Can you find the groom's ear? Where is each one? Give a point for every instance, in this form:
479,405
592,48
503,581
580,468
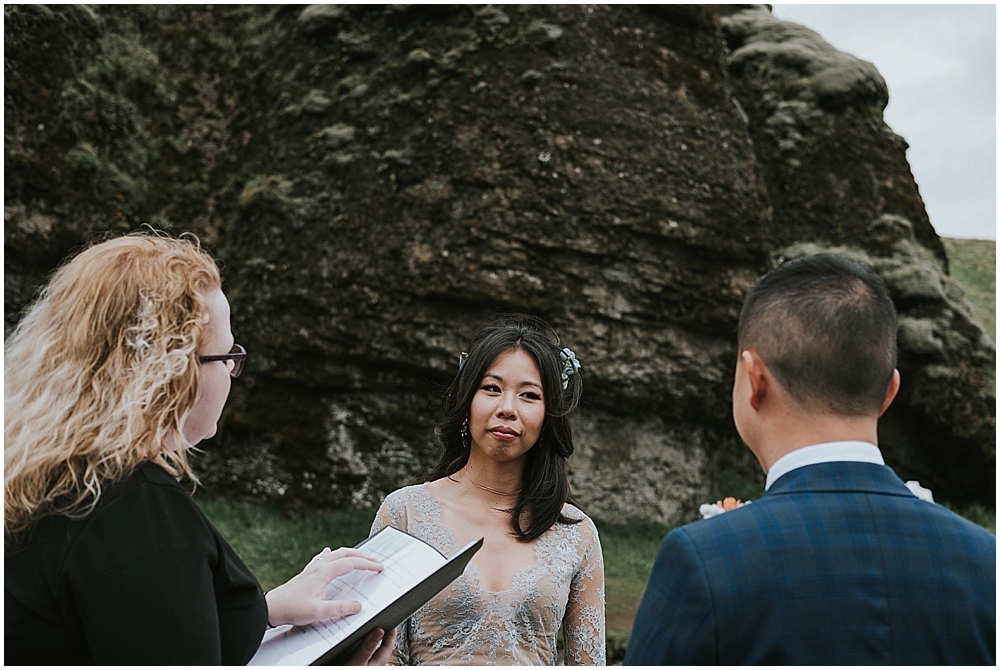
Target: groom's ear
758,378
890,393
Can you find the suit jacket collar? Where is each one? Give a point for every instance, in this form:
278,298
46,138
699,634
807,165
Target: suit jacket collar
840,477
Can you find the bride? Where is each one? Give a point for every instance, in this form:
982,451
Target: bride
502,476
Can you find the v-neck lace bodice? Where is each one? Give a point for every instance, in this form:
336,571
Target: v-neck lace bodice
468,625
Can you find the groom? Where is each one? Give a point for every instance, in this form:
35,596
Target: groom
838,563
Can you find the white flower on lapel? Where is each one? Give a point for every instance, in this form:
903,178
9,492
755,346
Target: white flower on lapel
919,491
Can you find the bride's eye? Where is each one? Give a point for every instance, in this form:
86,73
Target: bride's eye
531,395
492,388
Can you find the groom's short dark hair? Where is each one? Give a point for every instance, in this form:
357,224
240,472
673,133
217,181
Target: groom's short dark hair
826,329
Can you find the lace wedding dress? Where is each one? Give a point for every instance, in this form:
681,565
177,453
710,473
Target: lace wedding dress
467,625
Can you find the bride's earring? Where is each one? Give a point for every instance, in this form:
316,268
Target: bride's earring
466,440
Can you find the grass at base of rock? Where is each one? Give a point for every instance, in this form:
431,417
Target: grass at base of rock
973,265
276,547
629,550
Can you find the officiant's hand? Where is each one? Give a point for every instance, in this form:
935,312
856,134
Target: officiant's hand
376,649
301,600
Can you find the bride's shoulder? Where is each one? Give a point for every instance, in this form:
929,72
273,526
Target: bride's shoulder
571,511
584,523
400,507
582,534
406,494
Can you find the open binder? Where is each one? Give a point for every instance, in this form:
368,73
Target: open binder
414,572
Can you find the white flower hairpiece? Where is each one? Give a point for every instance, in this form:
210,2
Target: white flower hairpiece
570,365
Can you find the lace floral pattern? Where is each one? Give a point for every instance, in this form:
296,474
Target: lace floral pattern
465,624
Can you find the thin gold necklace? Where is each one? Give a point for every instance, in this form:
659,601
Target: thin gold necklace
484,488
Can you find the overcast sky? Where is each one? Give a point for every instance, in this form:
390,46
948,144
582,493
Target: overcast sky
940,64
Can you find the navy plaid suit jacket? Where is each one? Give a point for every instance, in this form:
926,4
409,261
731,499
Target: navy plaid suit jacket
838,563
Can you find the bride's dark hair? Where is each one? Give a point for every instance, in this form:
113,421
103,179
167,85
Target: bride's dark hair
545,484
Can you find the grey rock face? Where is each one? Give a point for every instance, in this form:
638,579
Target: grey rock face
639,466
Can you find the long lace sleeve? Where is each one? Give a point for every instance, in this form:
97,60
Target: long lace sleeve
392,512
583,624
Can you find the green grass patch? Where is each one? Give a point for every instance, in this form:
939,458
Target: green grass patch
973,265
276,547
629,550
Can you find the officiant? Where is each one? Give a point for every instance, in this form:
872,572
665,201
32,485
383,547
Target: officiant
121,366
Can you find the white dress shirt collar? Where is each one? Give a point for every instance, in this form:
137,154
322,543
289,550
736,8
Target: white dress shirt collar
861,452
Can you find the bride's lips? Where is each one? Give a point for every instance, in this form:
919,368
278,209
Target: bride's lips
503,433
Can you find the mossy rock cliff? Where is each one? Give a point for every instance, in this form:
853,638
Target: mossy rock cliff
379,181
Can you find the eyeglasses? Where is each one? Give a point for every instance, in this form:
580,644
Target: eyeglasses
234,360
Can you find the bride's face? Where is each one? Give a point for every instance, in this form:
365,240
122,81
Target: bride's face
508,410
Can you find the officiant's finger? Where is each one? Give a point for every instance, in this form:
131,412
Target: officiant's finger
344,552
342,566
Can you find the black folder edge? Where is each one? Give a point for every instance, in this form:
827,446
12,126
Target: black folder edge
404,606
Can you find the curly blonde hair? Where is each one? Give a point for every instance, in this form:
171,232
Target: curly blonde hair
100,373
